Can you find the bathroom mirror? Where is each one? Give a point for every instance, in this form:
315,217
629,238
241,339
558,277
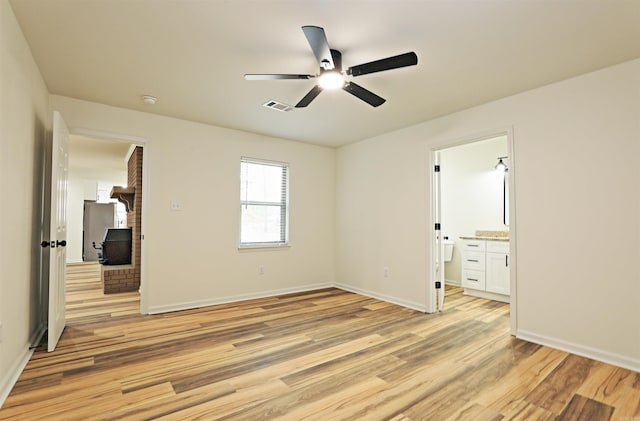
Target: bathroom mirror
505,197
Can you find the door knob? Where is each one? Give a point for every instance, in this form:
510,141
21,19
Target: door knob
62,243
44,243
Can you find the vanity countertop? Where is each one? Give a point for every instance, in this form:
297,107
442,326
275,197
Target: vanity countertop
484,237
488,235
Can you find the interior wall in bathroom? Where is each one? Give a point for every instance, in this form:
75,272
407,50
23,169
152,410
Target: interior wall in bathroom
472,194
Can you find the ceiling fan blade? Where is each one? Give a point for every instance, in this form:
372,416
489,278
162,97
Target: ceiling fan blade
402,60
364,94
275,76
310,96
320,46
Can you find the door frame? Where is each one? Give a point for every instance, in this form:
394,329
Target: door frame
142,142
432,213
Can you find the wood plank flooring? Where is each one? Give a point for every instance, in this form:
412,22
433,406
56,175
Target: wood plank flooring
321,355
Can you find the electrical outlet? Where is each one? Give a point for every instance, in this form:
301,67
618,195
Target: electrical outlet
385,271
260,269
175,205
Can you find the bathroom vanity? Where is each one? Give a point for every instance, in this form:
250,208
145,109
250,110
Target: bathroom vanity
485,267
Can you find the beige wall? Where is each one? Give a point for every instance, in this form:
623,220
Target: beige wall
24,124
192,255
577,169
381,218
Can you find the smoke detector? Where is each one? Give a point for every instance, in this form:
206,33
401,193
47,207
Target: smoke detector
278,106
149,100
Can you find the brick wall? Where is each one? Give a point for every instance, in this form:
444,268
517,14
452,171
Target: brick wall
125,278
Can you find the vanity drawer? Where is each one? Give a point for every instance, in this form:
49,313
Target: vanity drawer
473,279
474,260
474,245
498,247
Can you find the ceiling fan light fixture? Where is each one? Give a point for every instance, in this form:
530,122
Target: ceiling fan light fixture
331,79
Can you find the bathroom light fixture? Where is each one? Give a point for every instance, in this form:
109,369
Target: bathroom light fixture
501,165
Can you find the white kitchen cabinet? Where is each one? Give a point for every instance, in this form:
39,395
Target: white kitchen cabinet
485,268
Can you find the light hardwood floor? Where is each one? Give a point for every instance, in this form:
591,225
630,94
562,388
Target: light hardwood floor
321,355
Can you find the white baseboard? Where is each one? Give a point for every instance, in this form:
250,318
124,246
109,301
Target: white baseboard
242,297
11,377
487,295
454,283
582,350
388,298
235,298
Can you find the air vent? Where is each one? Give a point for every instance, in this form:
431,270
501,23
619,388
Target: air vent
278,106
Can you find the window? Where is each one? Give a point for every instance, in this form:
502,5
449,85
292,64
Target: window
264,203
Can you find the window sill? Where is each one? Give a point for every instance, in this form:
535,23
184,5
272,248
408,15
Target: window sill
263,247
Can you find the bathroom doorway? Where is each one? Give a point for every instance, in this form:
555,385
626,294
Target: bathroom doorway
470,199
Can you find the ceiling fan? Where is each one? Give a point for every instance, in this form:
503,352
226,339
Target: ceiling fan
332,76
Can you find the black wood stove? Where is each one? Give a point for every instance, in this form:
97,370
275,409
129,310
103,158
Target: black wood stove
115,249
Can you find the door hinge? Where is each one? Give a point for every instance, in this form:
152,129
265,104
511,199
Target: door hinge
438,285
436,168
437,226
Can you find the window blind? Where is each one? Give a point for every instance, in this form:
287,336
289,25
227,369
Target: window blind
263,202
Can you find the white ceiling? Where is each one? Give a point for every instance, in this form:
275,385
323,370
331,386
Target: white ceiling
192,55
97,159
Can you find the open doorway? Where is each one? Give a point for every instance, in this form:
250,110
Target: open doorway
473,236
96,166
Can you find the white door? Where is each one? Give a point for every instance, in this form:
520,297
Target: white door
58,230
438,239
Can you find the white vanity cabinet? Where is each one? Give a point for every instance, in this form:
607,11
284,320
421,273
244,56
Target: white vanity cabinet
485,268
474,264
498,267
